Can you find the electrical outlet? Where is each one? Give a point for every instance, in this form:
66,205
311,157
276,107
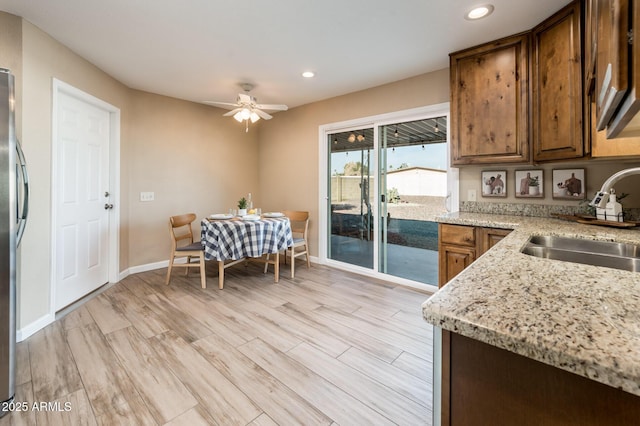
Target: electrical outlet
147,196
471,195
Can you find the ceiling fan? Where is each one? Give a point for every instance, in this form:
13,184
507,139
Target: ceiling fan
247,108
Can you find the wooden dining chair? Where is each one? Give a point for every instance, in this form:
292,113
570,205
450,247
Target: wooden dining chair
182,245
299,227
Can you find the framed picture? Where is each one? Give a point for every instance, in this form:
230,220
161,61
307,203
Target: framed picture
529,183
569,184
494,183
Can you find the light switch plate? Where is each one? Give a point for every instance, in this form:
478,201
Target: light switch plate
471,195
147,196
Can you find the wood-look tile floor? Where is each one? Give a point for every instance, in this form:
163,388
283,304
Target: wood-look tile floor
328,347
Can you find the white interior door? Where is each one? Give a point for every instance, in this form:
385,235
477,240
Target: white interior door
82,201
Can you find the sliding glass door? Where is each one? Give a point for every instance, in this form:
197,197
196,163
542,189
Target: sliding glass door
413,188
351,197
385,183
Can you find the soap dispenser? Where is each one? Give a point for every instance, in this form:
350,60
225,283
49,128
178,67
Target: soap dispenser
613,210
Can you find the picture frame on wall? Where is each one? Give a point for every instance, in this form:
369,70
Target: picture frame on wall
494,183
529,183
569,184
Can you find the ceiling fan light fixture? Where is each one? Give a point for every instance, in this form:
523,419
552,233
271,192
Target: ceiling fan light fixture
360,138
479,12
351,138
246,108
308,74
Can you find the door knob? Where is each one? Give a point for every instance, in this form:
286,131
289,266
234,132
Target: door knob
108,206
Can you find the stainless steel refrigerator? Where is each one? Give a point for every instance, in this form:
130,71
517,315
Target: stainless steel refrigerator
14,195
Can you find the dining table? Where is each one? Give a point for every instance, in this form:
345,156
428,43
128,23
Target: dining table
232,240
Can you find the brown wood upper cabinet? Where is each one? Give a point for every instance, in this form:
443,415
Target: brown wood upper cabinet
624,17
490,102
612,20
557,87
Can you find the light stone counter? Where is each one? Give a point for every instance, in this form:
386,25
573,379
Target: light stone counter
580,318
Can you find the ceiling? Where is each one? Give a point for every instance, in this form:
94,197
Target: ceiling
203,49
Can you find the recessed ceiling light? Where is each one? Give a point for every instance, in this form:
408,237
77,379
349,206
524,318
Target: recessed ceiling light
308,74
479,12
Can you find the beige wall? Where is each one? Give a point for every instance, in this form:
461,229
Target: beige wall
192,158
288,144
11,56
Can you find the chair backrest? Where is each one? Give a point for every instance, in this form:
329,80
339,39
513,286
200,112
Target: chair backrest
299,222
180,229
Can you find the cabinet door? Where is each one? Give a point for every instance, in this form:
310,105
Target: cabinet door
452,260
489,102
601,147
626,121
590,44
491,236
612,61
557,87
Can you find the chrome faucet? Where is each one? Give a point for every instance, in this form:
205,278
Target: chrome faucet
601,198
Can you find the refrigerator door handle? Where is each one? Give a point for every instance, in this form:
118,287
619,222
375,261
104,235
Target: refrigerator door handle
22,213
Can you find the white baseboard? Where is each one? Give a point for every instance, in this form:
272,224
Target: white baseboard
34,327
150,266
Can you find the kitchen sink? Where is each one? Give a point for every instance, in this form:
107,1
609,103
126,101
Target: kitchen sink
598,253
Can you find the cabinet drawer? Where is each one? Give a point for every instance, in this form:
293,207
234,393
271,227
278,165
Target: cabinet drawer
458,234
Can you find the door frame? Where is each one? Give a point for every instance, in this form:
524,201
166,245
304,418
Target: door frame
60,87
442,109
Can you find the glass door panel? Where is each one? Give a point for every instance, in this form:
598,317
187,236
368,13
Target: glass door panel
413,187
350,197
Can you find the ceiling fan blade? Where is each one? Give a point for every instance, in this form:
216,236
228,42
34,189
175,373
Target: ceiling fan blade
232,112
262,114
274,107
225,105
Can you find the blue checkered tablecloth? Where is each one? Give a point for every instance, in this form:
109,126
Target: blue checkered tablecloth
238,239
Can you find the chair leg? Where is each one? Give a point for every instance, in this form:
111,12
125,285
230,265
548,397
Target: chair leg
203,274
293,262
306,249
186,272
169,270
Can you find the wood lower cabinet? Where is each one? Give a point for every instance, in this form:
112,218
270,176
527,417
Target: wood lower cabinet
486,385
491,236
557,87
453,260
460,245
490,102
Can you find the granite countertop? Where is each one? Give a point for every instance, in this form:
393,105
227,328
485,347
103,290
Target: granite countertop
581,318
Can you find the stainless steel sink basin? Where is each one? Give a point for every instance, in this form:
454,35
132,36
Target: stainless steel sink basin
598,253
